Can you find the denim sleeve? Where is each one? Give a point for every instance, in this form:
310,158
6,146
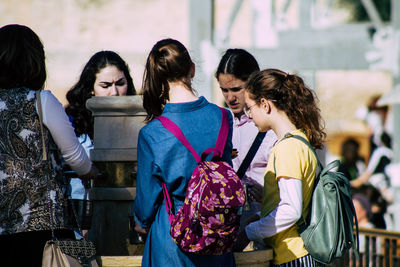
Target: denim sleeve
148,187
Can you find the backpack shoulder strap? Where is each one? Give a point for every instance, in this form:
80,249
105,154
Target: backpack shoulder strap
175,130
305,141
302,221
221,139
223,133
218,150
250,154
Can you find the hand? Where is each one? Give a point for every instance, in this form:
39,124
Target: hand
255,192
85,234
362,179
142,232
234,153
241,242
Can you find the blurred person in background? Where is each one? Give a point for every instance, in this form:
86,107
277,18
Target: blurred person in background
32,191
363,209
378,120
351,163
105,74
375,173
233,70
377,202
362,206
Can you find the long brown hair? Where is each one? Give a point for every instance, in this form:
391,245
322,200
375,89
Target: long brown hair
77,96
168,61
291,95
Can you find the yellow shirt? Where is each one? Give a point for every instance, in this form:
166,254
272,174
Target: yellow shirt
290,158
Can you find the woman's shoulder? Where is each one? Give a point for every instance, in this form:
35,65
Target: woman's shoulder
153,131
47,95
218,109
292,145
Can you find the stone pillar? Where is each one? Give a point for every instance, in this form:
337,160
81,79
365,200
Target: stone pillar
117,121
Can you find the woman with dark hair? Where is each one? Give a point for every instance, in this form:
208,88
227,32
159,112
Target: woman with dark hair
162,158
234,69
29,186
105,74
351,163
282,102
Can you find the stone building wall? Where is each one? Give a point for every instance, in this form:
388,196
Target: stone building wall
73,30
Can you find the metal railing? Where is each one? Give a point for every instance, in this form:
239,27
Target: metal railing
378,248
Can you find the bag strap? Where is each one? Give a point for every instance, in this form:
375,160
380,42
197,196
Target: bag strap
168,204
250,154
87,185
219,145
302,221
175,130
39,104
45,159
223,133
305,141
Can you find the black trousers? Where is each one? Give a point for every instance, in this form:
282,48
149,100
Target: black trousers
26,249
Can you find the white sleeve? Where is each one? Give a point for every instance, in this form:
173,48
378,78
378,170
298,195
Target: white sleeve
56,120
286,214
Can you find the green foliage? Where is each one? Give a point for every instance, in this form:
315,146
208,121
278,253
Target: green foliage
359,12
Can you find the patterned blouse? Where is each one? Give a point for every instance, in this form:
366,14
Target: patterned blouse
27,183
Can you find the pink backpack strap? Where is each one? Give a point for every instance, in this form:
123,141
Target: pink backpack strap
222,136
174,129
223,133
219,145
168,204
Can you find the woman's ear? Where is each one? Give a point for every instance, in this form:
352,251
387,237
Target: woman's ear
192,71
266,105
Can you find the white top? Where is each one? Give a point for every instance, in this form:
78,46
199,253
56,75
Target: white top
287,213
56,120
244,133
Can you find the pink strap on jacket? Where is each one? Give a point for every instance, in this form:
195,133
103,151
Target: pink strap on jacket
218,150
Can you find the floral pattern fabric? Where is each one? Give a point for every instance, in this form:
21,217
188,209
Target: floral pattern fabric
24,176
208,221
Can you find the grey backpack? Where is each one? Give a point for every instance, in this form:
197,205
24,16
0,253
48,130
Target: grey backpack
328,230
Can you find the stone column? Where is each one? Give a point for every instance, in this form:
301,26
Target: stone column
117,121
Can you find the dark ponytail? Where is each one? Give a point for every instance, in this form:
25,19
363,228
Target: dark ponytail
168,61
238,62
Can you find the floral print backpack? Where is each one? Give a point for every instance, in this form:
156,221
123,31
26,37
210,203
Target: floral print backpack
208,221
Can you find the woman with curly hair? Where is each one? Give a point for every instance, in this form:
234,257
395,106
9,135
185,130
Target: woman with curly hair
105,74
282,102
